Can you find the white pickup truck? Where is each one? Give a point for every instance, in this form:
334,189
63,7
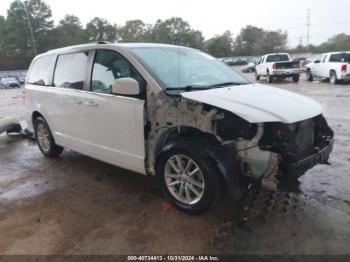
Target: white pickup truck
277,66
334,66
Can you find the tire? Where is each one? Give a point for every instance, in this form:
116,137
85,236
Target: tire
296,79
309,76
200,190
257,77
45,140
333,78
269,78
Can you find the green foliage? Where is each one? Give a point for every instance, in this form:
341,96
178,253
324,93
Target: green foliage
100,29
339,42
220,45
256,41
176,31
134,31
68,32
28,30
27,26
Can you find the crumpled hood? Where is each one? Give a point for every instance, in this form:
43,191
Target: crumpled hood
258,103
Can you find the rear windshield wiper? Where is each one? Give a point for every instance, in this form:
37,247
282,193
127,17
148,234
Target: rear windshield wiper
227,84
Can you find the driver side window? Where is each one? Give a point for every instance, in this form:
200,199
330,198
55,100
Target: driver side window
108,66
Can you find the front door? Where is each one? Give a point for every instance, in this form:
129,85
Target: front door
114,124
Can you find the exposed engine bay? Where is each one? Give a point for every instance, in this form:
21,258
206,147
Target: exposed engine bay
273,154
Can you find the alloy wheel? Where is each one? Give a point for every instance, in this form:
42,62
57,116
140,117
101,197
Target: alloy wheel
43,137
184,179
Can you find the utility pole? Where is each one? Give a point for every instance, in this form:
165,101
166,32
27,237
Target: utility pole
308,29
30,28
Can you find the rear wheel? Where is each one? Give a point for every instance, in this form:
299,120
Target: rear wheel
188,178
309,76
333,78
269,77
45,139
296,79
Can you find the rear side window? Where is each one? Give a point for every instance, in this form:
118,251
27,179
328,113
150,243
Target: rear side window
71,70
342,57
41,71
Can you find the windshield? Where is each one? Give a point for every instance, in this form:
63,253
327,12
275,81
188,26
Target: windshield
177,68
277,58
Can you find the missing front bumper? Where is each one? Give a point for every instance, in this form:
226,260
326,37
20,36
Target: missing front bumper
298,168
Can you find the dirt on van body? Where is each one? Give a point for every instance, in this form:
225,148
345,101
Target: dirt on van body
78,205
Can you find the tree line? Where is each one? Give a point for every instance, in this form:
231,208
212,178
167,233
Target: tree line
28,29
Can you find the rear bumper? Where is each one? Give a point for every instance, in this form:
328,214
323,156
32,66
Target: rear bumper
286,72
300,167
345,77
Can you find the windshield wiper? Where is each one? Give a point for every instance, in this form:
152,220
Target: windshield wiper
227,84
189,87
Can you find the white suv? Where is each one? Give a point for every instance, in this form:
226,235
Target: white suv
334,66
177,113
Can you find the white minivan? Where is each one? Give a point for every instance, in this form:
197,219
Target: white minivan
177,113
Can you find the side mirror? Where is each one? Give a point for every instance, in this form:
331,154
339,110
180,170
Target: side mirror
126,86
317,61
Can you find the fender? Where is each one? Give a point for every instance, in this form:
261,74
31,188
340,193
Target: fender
223,158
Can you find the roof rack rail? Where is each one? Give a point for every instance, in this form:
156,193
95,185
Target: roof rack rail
103,42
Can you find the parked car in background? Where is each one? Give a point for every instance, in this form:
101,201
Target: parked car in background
240,61
334,66
21,79
177,113
10,82
229,62
277,66
250,67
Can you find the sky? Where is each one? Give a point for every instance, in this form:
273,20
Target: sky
212,17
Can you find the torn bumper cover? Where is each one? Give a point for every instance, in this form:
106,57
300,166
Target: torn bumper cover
298,168
9,124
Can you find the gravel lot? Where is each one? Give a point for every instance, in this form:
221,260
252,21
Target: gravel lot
77,205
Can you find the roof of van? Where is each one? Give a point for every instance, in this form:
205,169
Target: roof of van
100,44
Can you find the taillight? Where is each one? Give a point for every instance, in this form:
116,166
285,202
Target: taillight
344,68
274,66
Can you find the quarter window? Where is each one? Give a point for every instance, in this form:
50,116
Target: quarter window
41,71
71,70
108,66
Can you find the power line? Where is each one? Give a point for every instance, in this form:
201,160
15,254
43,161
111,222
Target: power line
308,28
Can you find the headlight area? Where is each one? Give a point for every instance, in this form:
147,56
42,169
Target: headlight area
243,137
276,154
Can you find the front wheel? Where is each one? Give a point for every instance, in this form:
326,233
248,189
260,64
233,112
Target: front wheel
188,179
309,76
257,77
45,139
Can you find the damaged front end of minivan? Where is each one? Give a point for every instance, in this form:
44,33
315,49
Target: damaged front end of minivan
273,154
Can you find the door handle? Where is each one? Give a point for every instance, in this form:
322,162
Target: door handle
76,101
91,103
